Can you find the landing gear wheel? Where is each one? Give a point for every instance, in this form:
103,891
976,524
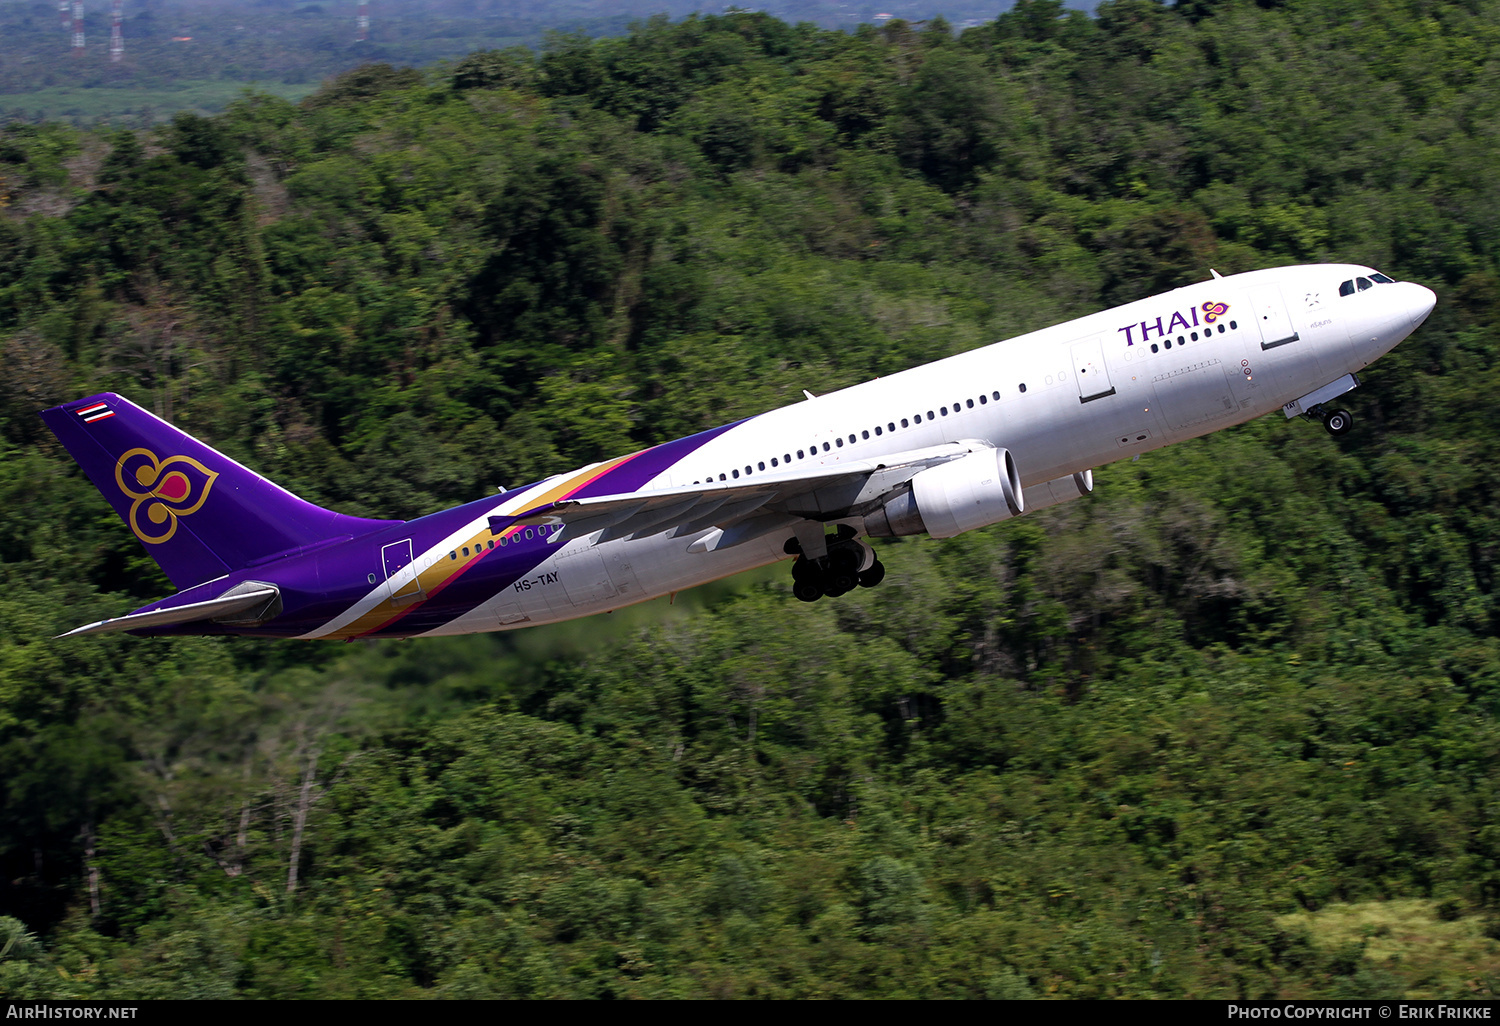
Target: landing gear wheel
840,582
807,591
845,561
873,576
1338,422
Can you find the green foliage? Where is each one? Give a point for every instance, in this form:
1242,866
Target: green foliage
1110,750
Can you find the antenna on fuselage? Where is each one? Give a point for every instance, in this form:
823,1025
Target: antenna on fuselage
1215,273
808,394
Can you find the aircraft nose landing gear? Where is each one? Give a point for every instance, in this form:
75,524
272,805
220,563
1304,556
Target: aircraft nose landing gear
849,564
1335,422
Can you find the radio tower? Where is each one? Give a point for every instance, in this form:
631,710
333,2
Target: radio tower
362,22
116,34
65,12
77,28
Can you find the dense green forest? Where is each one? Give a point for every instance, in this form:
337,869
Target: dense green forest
1225,728
200,54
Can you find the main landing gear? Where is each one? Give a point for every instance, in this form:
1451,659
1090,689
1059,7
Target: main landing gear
1335,422
849,564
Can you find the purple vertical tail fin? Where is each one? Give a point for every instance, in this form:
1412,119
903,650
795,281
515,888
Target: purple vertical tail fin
197,512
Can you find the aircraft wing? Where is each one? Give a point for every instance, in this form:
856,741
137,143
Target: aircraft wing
742,509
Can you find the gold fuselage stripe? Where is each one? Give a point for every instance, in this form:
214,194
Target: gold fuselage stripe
443,571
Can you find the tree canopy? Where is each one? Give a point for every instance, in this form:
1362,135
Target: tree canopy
1130,746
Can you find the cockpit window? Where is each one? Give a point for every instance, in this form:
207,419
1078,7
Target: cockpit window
1348,288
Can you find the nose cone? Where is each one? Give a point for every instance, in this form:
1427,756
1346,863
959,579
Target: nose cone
1422,300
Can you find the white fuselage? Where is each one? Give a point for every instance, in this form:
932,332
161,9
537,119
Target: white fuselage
1062,400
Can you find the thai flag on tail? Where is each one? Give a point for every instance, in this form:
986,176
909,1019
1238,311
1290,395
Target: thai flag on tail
93,412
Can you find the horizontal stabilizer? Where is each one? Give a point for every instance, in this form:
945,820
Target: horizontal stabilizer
213,609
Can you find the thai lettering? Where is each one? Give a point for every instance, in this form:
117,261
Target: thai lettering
1184,320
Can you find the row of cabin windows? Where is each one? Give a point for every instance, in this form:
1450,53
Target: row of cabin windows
889,428
1182,340
1354,285
916,418
528,534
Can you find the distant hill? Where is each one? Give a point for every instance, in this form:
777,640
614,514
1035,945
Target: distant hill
178,54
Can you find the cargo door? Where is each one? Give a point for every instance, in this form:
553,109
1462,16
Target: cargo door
584,577
621,575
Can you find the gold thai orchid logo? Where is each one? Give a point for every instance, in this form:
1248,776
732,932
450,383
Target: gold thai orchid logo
163,490
1213,311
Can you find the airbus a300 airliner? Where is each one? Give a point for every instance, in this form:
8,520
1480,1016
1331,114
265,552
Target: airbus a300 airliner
941,449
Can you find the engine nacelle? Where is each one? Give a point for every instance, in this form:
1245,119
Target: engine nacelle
1050,493
972,491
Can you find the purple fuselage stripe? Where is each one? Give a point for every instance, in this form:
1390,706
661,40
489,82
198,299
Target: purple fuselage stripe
318,587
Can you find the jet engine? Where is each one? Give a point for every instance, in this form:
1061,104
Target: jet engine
972,491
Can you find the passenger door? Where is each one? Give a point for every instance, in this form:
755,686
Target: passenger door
1088,366
401,573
